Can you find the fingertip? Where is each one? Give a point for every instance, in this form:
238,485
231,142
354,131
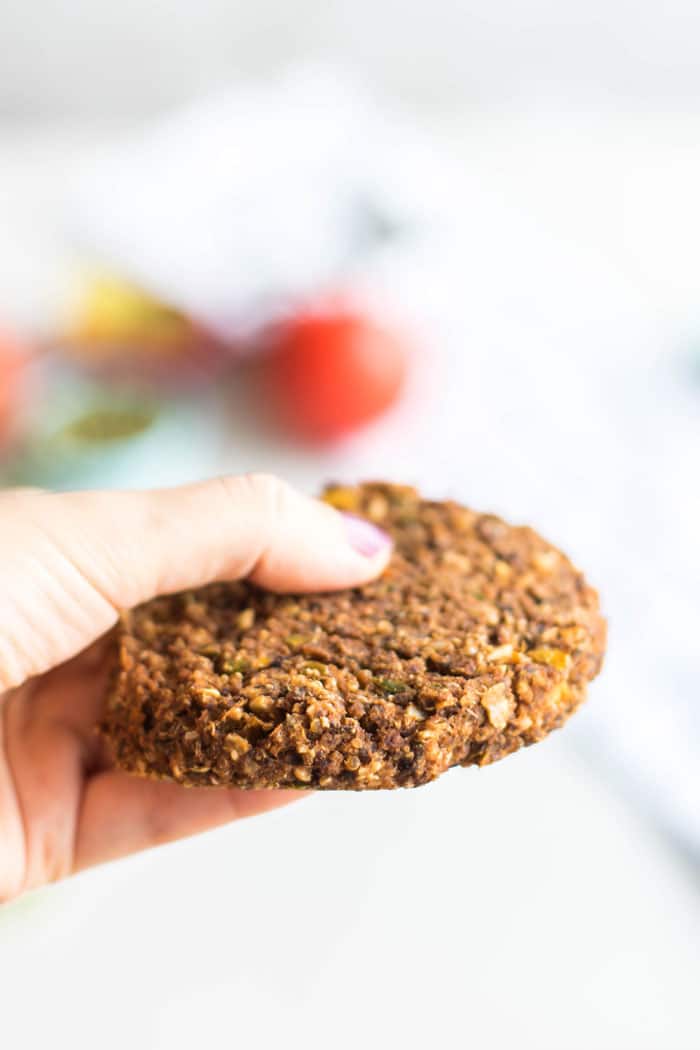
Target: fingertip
319,548
364,537
371,549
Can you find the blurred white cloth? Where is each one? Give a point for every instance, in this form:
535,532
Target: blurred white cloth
243,203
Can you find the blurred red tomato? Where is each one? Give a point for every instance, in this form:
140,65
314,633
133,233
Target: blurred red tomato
13,361
327,374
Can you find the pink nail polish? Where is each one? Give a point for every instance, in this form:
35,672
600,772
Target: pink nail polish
366,538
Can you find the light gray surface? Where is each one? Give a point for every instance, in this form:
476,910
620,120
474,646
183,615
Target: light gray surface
520,906
94,57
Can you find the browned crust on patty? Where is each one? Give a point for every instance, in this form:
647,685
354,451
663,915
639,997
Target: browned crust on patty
478,639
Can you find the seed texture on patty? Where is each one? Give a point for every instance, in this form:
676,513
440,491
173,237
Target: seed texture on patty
478,639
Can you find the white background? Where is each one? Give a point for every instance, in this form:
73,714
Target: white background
551,901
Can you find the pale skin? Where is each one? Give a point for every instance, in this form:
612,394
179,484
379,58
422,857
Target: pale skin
69,563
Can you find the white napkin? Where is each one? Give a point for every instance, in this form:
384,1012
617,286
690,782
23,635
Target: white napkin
245,202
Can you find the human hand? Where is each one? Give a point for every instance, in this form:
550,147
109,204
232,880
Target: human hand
68,564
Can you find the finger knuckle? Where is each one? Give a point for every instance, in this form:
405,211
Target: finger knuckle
266,491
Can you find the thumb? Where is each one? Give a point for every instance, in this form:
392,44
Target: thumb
70,562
